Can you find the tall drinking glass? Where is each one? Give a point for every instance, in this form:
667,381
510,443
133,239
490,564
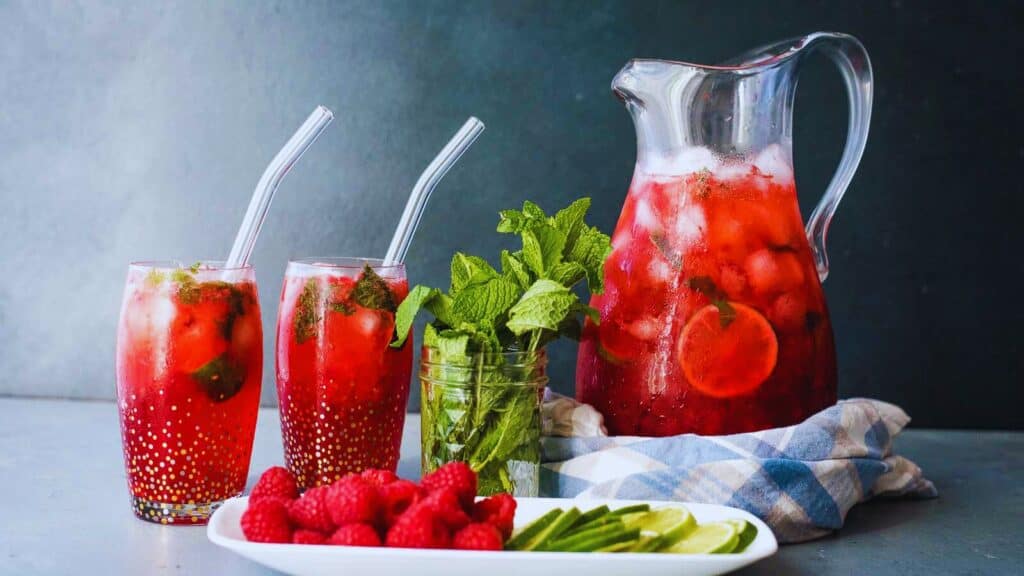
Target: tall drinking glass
341,387
189,366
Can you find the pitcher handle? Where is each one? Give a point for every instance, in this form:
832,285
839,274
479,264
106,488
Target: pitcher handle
853,62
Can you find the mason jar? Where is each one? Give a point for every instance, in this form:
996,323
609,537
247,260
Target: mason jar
484,409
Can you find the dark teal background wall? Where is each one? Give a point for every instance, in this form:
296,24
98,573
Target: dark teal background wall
137,131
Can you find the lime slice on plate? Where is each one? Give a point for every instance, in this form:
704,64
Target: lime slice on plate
662,527
711,538
747,533
660,520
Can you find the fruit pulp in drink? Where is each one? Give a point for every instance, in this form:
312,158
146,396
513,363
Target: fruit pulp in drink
713,320
189,365
342,388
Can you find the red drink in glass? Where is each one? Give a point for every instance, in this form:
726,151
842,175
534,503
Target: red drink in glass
189,365
341,387
713,320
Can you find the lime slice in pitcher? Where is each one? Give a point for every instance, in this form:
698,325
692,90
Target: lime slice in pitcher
712,538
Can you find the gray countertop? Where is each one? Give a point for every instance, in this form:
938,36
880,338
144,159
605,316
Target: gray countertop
65,505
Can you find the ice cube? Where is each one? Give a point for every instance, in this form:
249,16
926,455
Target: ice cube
775,162
368,322
659,270
732,170
161,313
690,224
681,162
645,328
645,217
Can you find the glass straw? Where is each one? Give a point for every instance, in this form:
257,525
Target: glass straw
445,159
303,138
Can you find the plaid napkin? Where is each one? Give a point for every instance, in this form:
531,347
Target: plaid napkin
801,480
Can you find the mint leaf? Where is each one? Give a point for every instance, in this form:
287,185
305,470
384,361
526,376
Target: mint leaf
468,270
343,307
511,222
511,412
485,302
533,211
219,379
591,249
441,307
452,346
530,302
567,273
506,429
307,311
706,286
515,221
472,411
188,288
542,307
542,247
371,291
429,336
154,278
407,310
570,220
514,269
590,312
671,255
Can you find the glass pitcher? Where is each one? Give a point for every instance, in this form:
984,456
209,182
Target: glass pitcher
713,319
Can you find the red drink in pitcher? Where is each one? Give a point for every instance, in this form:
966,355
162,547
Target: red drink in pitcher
189,364
713,319
341,387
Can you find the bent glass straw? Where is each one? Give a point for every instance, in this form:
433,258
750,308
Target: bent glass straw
445,159
262,196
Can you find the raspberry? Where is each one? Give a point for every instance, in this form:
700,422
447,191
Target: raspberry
455,475
355,535
419,527
310,511
478,537
303,536
352,500
396,497
379,477
498,511
446,504
276,482
266,521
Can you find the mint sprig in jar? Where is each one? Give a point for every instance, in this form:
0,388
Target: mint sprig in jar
483,366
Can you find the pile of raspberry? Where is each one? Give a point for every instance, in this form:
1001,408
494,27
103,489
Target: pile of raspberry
377,508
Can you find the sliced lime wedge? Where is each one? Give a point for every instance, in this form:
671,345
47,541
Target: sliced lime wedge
589,516
551,532
660,520
747,533
662,527
524,535
711,538
618,547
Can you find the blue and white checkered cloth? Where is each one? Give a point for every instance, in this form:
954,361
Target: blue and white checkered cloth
801,480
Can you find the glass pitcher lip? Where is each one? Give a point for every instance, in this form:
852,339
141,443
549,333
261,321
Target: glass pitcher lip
793,47
767,62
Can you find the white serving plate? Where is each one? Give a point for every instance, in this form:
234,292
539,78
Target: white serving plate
309,560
